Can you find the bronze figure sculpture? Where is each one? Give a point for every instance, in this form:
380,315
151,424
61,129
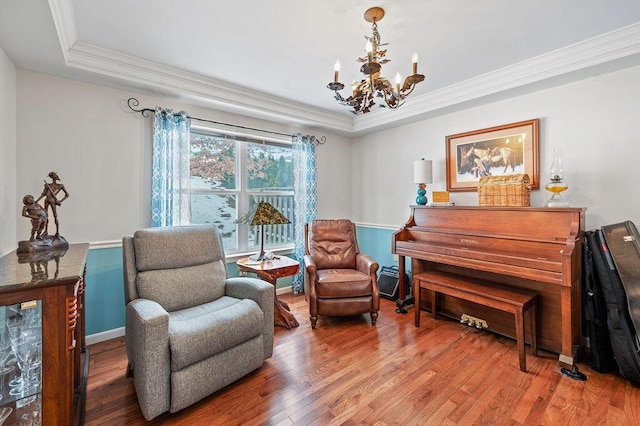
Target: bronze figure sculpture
50,194
40,239
38,217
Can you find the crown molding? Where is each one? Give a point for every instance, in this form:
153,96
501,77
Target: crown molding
172,80
143,73
65,23
606,48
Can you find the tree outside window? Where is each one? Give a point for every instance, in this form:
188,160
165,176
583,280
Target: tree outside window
229,174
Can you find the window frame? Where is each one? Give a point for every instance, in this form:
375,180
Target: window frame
241,192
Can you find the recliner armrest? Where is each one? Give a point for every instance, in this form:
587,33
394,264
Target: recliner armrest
251,288
147,340
263,294
366,264
310,265
310,277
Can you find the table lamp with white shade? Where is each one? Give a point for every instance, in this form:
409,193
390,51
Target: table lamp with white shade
422,175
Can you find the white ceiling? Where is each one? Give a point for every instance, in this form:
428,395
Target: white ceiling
273,59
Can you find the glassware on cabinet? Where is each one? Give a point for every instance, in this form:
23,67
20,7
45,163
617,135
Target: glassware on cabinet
21,362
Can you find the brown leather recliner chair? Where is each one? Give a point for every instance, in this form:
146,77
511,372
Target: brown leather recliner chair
338,279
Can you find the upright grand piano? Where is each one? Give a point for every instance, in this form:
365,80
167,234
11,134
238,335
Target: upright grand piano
538,249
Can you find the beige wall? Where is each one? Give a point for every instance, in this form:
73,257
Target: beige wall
594,121
8,199
102,153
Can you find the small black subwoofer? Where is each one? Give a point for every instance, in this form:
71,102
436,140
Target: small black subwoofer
389,285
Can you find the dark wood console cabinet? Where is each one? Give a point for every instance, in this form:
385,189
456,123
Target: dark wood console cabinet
56,280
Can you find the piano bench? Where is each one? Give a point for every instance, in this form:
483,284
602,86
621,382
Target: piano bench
515,301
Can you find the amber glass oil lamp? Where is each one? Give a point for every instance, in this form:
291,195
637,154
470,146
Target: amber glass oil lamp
557,184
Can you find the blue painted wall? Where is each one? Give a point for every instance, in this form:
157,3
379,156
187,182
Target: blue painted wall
104,296
376,242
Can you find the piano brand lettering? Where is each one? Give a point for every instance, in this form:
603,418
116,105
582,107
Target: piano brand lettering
466,241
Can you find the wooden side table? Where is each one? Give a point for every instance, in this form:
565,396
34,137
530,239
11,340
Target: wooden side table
270,271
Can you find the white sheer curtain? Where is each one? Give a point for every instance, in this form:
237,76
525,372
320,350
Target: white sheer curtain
170,204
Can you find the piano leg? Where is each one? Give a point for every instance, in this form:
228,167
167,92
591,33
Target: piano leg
401,303
571,315
403,298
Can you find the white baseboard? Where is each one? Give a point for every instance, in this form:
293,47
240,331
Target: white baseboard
104,335
283,290
119,332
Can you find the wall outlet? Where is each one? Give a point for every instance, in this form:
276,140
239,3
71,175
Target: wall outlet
395,257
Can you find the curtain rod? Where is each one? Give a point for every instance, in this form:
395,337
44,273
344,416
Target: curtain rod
133,102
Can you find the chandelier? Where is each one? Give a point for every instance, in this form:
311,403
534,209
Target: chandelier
373,84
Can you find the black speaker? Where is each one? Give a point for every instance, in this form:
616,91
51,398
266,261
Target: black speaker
388,282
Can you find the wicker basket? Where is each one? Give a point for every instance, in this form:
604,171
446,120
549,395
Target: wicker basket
510,190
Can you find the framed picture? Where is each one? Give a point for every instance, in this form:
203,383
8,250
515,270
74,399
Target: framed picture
497,151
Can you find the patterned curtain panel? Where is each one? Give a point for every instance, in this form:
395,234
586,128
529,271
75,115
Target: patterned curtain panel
305,198
170,180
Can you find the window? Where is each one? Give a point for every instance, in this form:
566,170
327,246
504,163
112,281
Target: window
232,173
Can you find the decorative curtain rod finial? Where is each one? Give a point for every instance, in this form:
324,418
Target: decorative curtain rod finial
133,103
317,141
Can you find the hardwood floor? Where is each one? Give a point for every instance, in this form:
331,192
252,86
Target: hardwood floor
349,372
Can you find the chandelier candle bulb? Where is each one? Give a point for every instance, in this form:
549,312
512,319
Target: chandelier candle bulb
398,81
369,48
414,60
336,70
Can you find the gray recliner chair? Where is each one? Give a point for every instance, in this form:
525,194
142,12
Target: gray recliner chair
190,330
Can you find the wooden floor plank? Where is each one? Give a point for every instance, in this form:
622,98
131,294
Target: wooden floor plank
349,372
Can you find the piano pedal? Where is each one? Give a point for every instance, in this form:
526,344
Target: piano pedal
473,322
